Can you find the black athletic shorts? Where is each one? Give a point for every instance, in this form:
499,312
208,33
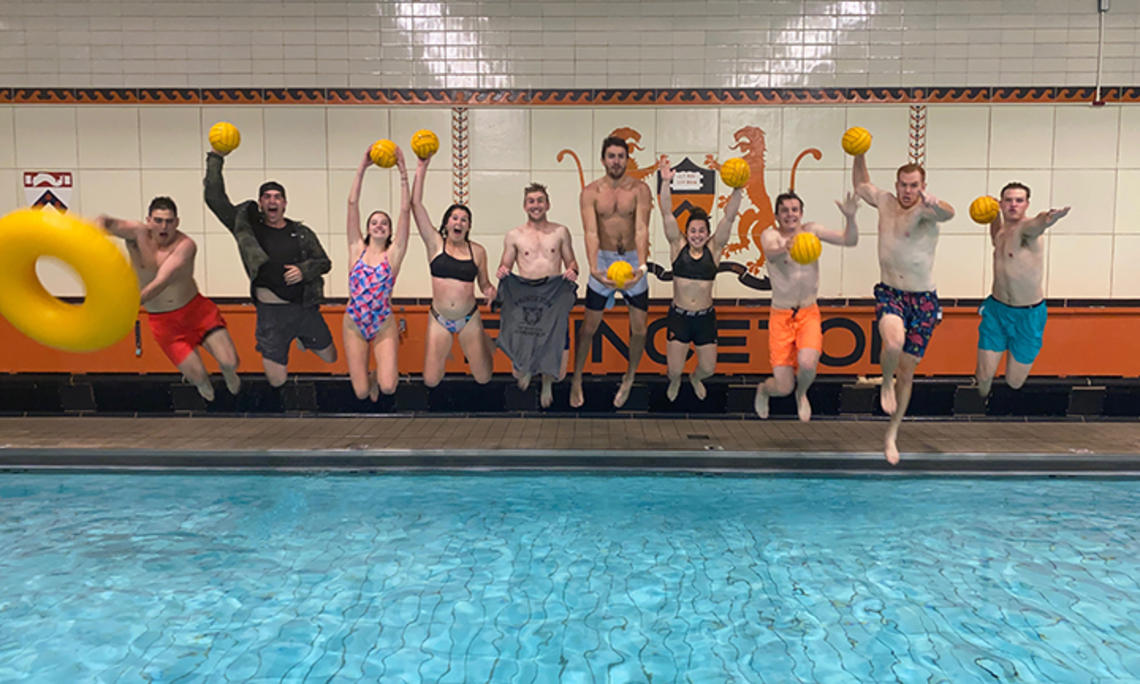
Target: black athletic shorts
279,324
698,327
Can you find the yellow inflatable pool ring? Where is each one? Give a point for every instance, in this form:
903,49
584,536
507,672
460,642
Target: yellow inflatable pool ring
108,311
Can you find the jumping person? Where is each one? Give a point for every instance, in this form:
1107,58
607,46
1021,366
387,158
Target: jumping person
1014,315
906,304
615,217
696,257
375,258
180,318
537,302
284,261
795,333
455,263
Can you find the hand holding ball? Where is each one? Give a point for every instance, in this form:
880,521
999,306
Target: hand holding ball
805,248
383,153
735,172
856,141
224,137
424,143
984,209
620,272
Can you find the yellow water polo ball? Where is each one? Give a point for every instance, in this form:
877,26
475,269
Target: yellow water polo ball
424,143
224,137
111,302
856,141
620,272
984,209
383,153
735,172
805,248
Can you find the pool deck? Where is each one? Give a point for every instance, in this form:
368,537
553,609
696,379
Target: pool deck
639,443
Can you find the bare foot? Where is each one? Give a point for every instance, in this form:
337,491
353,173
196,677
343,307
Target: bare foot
576,398
673,389
374,391
803,407
524,381
891,451
546,398
887,397
206,389
760,404
698,387
233,381
623,391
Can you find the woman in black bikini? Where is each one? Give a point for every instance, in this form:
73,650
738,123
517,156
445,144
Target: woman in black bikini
696,258
455,264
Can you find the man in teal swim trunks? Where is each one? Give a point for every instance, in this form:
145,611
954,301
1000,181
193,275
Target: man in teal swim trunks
1013,317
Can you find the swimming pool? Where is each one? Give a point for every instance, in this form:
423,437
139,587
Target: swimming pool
540,578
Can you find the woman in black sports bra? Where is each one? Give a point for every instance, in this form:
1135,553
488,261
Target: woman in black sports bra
455,263
696,258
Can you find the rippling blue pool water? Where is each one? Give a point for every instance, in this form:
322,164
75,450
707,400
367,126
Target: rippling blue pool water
577,578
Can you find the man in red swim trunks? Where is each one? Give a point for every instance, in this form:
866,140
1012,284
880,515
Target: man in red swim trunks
180,318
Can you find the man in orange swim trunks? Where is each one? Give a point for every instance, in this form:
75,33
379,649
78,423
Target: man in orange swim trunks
180,318
795,333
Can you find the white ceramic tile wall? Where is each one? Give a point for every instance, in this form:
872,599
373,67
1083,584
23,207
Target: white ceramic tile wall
563,44
122,156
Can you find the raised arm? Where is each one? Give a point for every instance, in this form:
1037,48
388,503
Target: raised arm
216,197
1037,225
862,181
850,235
352,221
423,221
672,231
403,224
178,264
140,244
935,208
724,228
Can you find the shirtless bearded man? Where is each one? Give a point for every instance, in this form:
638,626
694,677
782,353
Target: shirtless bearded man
615,216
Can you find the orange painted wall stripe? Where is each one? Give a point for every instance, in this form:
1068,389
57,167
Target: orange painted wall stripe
1078,342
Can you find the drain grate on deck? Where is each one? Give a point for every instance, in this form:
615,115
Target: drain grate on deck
694,436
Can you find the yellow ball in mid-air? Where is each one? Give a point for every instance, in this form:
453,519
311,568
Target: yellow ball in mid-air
735,172
224,137
383,153
856,141
620,272
984,209
424,143
805,248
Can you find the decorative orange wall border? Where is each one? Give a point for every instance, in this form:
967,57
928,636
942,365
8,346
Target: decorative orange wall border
459,97
851,344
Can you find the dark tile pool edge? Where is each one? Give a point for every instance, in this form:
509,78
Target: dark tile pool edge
472,460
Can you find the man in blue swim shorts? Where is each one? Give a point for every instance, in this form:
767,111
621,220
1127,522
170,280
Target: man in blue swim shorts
906,305
615,217
1013,316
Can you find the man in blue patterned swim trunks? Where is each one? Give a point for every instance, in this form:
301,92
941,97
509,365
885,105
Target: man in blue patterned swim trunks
906,305
1013,317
